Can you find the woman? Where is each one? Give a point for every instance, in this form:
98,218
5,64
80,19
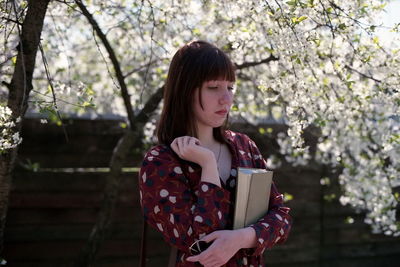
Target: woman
187,182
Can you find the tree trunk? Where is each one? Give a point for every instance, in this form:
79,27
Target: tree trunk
131,139
19,89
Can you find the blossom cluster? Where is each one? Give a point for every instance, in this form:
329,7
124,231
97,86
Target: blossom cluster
8,137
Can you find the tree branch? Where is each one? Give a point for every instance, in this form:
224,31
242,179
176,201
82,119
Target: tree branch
362,74
113,58
256,63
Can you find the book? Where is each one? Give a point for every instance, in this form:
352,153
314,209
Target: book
253,187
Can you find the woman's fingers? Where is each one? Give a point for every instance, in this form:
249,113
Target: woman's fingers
187,140
193,141
181,145
175,148
189,148
211,237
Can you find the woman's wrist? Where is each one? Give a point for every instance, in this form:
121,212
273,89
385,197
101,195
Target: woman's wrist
247,237
209,172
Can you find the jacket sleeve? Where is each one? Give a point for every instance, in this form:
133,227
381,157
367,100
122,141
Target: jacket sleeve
275,226
172,207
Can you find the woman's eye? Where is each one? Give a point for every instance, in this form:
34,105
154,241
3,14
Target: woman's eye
212,87
231,88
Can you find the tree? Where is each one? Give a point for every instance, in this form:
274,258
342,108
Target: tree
29,22
309,62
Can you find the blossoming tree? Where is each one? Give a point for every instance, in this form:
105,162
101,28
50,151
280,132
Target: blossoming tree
312,62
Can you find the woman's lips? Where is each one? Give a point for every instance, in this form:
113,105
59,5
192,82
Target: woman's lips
222,112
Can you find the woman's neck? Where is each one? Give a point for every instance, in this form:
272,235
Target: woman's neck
206,136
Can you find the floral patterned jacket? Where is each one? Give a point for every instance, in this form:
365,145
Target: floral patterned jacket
183,209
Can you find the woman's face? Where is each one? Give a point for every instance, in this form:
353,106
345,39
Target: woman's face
217,99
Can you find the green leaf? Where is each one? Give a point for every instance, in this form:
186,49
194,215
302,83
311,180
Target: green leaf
89,90
297,20
342,26
287,197
196,31
329,197
372,28
349,220
302,18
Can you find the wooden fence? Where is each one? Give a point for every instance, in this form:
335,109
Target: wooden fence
52,210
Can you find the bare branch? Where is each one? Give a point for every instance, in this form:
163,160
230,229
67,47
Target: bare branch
362,74
114,60
256,63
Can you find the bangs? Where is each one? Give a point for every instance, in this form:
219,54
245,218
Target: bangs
219,67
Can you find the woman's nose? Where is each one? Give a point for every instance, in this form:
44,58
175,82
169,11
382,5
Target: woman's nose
226,97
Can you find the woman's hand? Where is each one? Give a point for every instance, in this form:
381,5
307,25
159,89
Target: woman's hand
226,244
190,149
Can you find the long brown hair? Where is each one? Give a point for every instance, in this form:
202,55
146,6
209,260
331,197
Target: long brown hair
192,65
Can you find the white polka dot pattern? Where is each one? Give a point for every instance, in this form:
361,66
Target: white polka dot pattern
266,225
164,193
156,209
261,240
198,219
176,234
204,187
172,199
155,153
190,231
279,217
190,169
171,218
245,261
144,177
219,215
160,227
178,170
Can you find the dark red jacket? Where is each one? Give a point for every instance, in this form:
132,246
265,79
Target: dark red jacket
183,209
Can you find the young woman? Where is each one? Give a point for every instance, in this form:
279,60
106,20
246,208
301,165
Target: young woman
187,182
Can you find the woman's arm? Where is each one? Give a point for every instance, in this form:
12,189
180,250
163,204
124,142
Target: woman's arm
171,206
274,227
189,148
